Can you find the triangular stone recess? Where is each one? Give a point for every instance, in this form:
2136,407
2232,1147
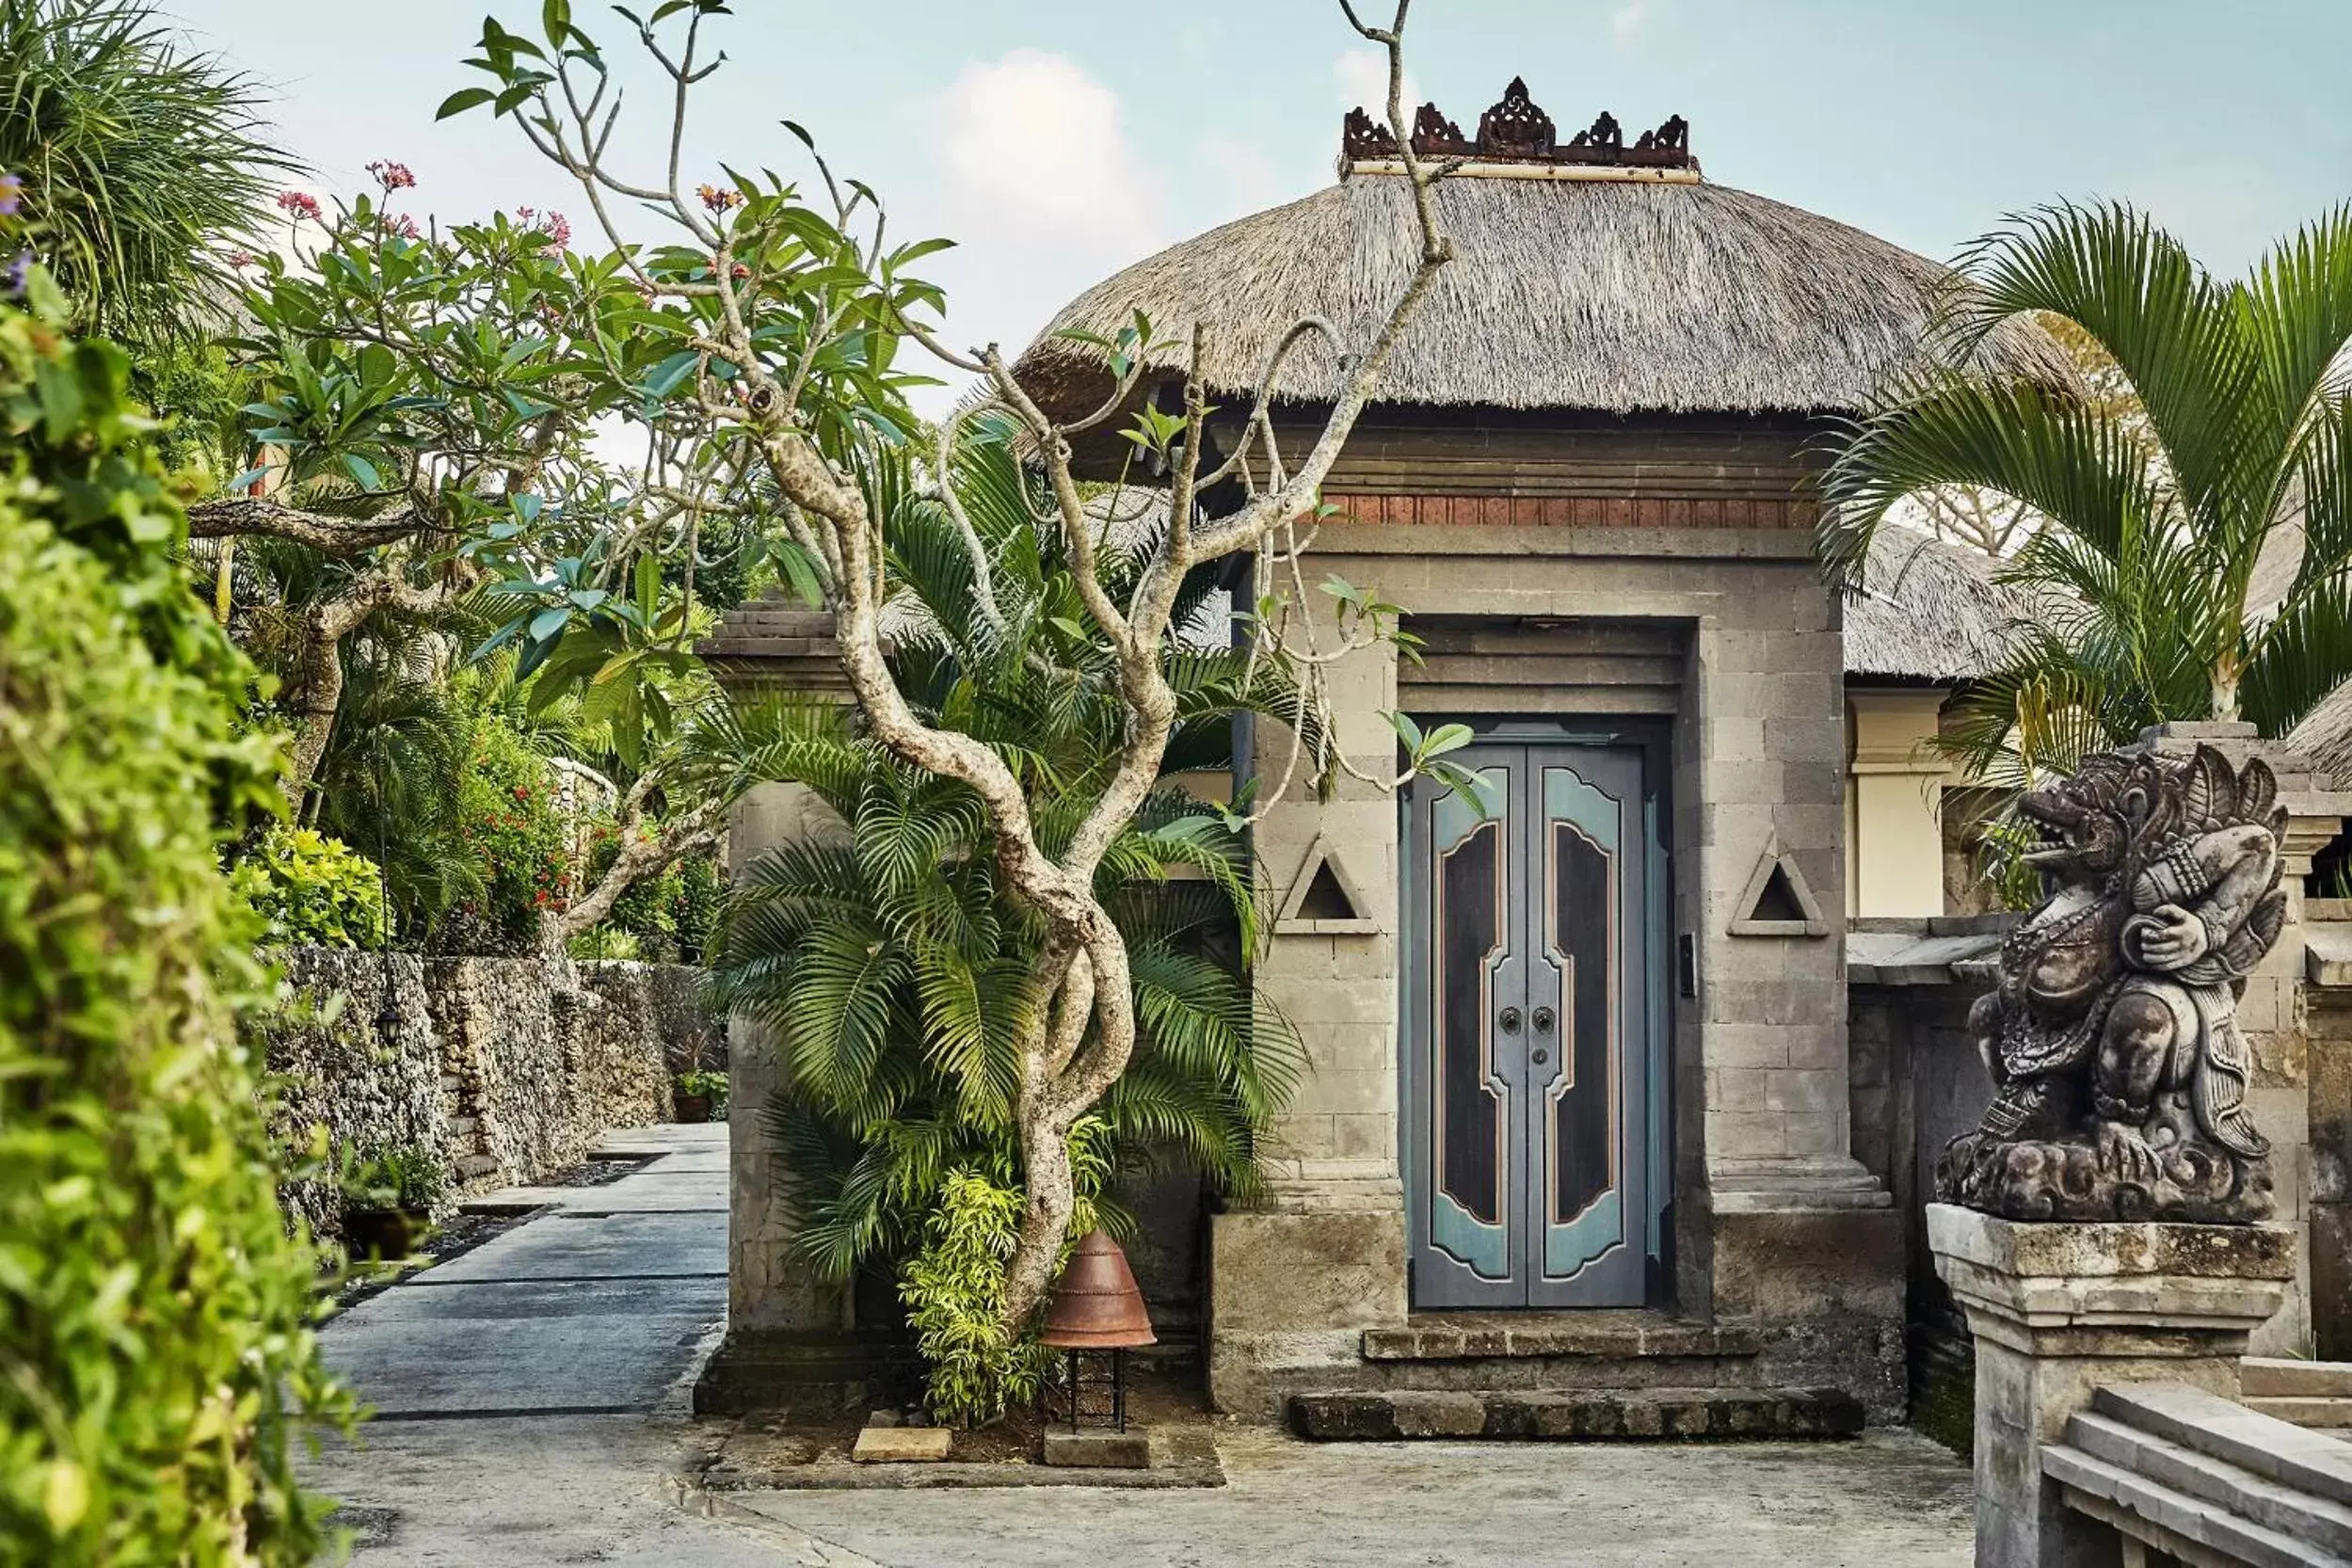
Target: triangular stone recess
1777,901
1324,900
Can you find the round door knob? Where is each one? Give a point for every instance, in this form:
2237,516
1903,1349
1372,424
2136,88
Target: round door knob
1543,1021
1510,1020
1539,1056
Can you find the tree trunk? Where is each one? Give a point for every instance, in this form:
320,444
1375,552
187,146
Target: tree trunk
2226,672
640,858
1050,1198
322,694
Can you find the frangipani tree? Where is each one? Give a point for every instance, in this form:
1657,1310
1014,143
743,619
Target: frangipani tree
433,425
2196,531
786,323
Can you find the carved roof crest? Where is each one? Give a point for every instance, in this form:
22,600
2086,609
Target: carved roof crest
1517,130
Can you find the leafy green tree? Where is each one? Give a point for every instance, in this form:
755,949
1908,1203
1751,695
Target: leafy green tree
894,970
145,167
156,1356
2216,437
778,326
428,416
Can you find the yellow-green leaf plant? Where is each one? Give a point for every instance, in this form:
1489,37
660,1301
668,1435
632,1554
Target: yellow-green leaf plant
156,1352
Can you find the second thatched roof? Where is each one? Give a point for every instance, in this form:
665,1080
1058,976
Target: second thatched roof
1932,611
1617,297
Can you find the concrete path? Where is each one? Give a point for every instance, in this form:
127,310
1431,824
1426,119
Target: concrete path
532,1394
1892,1500
533,1408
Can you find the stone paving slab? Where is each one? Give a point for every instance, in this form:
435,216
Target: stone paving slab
665,1295
1891,1500
454,1363
569,1246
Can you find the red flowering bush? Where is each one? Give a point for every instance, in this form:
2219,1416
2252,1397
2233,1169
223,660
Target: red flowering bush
508,822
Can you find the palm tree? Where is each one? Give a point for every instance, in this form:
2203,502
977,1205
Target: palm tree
893,970
143,163
2196,539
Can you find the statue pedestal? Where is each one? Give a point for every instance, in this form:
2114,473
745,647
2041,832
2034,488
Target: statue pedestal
2057,1309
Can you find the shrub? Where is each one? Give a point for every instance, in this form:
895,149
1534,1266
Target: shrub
701,891
510,826
312,890
155,1314
954,1285
403,1175
704,1084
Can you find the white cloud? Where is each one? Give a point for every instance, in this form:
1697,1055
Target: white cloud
1043,191
1033,148
1628,20
1359,79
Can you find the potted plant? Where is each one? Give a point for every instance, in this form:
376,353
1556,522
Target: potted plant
698,1095
388,1198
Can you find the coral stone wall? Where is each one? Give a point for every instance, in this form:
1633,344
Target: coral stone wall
512,1068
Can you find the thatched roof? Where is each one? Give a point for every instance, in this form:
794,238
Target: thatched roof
1930,611
2326,734
1610,296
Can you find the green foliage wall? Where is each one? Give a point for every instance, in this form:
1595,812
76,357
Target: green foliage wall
155,1341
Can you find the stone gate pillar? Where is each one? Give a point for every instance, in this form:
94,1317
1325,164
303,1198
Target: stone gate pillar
788,1333
2059,1309
1296,1279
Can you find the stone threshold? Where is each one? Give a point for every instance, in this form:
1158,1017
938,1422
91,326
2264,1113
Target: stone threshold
1677,1415
1516,1336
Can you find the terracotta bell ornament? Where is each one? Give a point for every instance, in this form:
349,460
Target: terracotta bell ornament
1095,1304
1095,1312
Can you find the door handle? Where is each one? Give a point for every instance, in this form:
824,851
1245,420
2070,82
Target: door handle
1543,1021
1508,1018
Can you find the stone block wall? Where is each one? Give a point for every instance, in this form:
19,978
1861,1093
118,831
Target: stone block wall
512,1068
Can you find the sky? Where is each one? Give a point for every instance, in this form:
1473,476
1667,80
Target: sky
1056,141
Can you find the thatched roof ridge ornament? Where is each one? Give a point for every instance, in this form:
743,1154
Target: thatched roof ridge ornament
1517,138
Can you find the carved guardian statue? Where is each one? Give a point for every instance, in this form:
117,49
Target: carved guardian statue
2113,1037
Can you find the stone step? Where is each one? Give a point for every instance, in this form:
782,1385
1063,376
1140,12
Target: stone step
2278,1378
2320,1415
1513,1335
2215,1482
1589,1415
1468,1351
2225,1429
2147,1508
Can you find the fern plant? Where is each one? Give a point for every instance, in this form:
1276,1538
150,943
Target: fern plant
892,971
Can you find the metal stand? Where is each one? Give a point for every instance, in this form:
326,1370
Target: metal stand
1074,1382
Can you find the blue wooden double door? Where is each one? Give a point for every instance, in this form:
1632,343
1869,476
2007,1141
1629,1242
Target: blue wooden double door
1534,1029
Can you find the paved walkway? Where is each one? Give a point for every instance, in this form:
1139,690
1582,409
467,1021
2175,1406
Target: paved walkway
533,1399
532,1394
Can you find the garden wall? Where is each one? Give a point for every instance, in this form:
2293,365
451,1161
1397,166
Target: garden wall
512,1068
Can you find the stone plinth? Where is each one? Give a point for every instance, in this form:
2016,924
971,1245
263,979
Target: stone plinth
2057,1309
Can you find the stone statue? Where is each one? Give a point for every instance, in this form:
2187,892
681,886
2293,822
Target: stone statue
2113,1036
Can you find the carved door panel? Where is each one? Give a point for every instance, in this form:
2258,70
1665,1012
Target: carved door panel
1530,1002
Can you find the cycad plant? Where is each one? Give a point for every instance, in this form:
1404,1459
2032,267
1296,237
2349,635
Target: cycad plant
2232,452
893,972
144,163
